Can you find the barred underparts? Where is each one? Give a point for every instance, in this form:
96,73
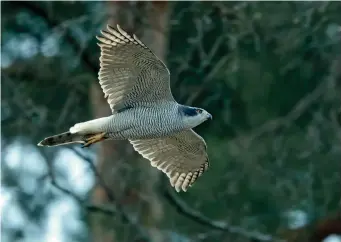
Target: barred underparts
136,84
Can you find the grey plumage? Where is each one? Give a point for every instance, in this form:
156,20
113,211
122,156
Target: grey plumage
182,156
62,139
130,74
137,87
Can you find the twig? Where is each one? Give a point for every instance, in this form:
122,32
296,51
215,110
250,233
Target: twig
50,174
219,65
107,210
119,210
175,201
107,190
292,116
196,216
85,57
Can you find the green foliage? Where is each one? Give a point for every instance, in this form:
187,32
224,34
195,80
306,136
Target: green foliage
263,69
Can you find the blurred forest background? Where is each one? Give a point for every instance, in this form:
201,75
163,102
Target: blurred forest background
269,72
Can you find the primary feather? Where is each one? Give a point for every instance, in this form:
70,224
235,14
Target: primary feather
136,84
130,73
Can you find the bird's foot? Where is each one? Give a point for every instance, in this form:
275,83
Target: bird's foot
94,139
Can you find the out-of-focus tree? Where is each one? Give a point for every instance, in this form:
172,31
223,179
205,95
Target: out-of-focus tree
116,159
269,72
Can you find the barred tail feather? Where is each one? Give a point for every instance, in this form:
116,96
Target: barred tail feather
62,139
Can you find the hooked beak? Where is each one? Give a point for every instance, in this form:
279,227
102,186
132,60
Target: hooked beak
209,116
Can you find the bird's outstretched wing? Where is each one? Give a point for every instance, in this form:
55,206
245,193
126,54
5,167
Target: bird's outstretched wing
182,156
130,74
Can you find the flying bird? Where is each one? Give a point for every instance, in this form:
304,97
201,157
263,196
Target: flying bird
136,84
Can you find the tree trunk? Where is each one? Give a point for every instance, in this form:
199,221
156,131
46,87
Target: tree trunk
131,178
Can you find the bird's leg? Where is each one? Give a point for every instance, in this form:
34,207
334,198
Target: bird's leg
94,139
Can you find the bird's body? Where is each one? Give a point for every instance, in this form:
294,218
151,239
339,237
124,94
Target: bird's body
136,84
141,122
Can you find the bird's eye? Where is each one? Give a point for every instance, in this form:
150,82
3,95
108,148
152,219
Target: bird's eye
199,111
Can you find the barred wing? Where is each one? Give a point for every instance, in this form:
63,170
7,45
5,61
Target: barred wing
181,156
130,73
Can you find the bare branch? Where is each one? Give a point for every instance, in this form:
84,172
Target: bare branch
108,210
181,207
99,179
292,116
219,65
196,216
50,174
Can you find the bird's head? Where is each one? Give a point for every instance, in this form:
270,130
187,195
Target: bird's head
193,116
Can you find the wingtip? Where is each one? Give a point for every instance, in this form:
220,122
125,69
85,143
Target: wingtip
177,189
40,144
121,30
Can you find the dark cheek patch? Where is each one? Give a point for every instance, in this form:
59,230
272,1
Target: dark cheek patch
190,111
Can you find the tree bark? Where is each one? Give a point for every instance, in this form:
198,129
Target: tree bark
128,175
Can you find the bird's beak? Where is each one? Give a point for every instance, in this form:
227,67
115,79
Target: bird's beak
209,116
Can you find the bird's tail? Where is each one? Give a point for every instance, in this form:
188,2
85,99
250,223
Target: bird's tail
87,133
62,139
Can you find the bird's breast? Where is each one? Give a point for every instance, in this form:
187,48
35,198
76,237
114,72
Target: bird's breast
154,123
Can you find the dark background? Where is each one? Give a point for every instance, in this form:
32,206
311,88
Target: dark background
269,72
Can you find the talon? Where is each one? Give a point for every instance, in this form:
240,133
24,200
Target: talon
94,139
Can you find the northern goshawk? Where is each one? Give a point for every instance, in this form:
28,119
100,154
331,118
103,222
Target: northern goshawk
136,84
